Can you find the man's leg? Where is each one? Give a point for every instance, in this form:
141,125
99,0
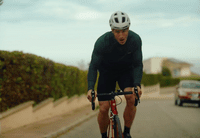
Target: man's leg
103,118
106,84
130,110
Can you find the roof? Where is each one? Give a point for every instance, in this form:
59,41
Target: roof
177,61
173,60
155,58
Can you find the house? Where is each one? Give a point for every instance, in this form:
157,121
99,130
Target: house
178,68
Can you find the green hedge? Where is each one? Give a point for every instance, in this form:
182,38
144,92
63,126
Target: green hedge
25,77
168,81
68,81
152,79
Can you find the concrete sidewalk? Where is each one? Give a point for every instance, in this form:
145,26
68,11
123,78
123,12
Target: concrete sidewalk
52,127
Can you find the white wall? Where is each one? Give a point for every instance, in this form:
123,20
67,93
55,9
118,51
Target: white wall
185,71
147,66
153,65
156,65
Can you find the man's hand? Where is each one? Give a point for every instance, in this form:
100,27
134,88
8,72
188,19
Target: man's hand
89,95
139,92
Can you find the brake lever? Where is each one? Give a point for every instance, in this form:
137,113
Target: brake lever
93,103
136,92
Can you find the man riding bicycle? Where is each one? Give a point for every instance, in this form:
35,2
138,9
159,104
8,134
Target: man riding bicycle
117,56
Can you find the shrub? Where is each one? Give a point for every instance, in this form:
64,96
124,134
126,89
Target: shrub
168,81
151,79
25,77
166,72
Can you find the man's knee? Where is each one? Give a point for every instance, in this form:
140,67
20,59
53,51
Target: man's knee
130,98
104,107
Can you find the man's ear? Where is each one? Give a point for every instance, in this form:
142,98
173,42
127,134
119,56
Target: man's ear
112,30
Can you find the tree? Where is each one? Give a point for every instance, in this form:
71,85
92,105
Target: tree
1,2
82,65
166,72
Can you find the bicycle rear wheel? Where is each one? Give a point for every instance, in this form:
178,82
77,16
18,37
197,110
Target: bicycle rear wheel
117,127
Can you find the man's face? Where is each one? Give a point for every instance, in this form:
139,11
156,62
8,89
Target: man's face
121,35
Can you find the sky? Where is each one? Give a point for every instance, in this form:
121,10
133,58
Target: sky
65,30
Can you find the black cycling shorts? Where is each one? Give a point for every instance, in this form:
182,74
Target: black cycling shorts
107,83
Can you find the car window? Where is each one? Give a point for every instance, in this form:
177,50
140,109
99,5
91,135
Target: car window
198,86
191,85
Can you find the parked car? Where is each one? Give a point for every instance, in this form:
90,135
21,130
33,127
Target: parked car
187,91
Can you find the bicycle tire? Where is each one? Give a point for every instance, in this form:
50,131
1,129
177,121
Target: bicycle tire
136,102
117,127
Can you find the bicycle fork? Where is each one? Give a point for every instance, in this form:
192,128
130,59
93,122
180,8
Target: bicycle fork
113,112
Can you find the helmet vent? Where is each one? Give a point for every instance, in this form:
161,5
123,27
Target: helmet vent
122,13
116,20
115,14
125,27
123,19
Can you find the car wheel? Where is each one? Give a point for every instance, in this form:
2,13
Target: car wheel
179,102
199,105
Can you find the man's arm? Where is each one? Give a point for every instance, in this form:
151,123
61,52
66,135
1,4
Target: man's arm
137,64
94,64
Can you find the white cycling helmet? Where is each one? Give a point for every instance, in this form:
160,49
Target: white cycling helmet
119,20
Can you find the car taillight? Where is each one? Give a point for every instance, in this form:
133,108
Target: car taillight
189,93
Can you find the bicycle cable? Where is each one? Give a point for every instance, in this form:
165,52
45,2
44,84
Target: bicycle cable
120,100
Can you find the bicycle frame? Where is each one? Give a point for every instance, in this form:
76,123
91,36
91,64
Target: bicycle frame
113,107
113,112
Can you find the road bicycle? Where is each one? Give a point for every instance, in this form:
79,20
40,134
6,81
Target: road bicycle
114,129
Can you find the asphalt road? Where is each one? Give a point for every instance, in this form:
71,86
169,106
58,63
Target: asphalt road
154,119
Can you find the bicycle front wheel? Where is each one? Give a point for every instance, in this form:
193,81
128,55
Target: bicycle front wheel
117,127
136,102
